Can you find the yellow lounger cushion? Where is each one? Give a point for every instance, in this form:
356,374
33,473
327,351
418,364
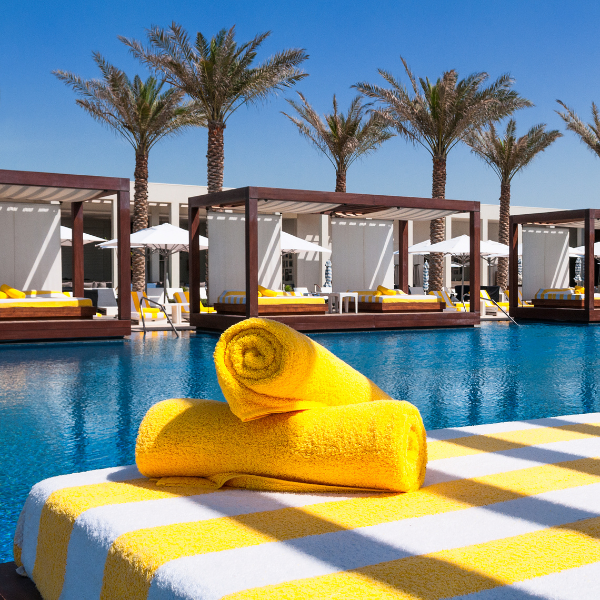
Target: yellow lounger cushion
376,446
229,299
12,292
388,292
267,292
3,296
367,292
265,367
405,298
43,302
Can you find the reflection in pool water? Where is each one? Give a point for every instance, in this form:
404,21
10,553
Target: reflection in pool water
68,407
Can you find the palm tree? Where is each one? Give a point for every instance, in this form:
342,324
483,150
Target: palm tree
508,155
588,133
342,138
143,114
438,116
218,75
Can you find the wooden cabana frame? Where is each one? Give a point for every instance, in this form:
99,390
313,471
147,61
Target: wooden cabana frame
589,220
28,186
253,201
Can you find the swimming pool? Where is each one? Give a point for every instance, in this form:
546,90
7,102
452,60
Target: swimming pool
68,407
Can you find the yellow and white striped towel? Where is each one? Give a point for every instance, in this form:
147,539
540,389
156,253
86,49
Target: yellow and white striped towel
508,511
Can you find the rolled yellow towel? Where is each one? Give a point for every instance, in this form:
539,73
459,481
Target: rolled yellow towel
265,367
371,446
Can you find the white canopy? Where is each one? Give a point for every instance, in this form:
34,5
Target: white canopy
580,250
462,245
66,237
293,244
165,238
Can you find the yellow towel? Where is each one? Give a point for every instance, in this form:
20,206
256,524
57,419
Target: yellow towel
387,292
12,292
265,367
373,446
3,296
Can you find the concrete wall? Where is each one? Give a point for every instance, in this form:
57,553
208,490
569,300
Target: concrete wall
226,256
363,254
30,246
545,259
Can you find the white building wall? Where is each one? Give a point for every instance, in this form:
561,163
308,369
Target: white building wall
545,259
362,254
226,256
30,246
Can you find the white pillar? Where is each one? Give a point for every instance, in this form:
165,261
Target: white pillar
448,258
154,266
325,237
174,258
484,264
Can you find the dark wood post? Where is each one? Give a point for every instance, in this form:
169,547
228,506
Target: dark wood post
475,258
77,246
251,257
124,255
403,256
194,258
513,266
589,236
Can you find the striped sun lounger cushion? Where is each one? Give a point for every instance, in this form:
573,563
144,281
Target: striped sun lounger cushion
508,511
395,299
266,300
560,294
44,302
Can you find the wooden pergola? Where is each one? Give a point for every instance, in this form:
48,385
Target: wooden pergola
252,201
28,186
589,220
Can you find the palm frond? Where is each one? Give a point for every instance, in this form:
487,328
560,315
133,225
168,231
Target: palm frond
508,154
140,111
218,74
439,115
343,138
589,133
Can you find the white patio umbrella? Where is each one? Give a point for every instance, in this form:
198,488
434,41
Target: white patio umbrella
66,237
165,239
292,244
460,247
580,250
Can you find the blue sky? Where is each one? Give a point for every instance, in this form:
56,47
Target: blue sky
551,49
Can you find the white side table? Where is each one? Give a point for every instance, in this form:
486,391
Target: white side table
337,298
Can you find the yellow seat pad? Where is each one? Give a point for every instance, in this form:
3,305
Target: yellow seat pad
44,302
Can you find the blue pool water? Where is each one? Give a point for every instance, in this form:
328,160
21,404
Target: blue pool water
68,407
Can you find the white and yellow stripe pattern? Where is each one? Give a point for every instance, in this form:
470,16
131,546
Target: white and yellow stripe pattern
508,511
381,299
558,294
240,298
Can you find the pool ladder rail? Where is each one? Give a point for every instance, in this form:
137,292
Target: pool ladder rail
163,310
498,306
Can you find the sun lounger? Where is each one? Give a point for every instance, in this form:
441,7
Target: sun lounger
521,302
44,304
139,302
234,303
183,299
562,298
377,301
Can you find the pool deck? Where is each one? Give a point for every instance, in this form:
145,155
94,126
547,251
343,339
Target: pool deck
508,511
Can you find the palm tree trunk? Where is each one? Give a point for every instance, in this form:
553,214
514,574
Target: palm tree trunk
215,157
437,227
340,180
140,218
503,233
